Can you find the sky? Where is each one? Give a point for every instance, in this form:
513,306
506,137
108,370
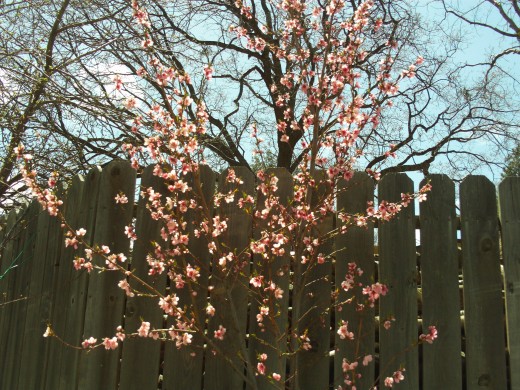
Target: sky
479,44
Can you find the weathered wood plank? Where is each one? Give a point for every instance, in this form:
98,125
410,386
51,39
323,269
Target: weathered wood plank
34,344
72,291
3,228
54,307
10,326
26,269
136,372
440,286
35,348
60,305
398,271
105,300
483,301
271,338
357,246
10,258
311,301
225,360
183,368
18,313
509,192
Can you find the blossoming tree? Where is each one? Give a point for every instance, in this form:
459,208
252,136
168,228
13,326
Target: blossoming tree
329,110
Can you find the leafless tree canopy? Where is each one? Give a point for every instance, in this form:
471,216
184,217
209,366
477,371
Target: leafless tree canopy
58,61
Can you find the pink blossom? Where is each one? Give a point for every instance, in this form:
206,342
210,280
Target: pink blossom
73,242
141,16
120,333
110,343
89,343
123,284
81,232
367,359
210,310
169,303
121,198
398,376
130,232
256,281
374,292
118,82
346,366
144,329
208,72
260,368
430,336
185,339
130,103
220,333
343,331
192,273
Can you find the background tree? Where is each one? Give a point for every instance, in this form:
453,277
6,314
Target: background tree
37,63
81,119
513,163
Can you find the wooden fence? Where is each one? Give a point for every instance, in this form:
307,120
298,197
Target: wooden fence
464,278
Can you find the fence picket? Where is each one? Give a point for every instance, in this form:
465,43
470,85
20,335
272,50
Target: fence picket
7,283
483,301
22,275
73,284
271,338
60,258
34,345
398,270
440,285
183,368
138,372
105,300
357,245
229,292
311,306
509,192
